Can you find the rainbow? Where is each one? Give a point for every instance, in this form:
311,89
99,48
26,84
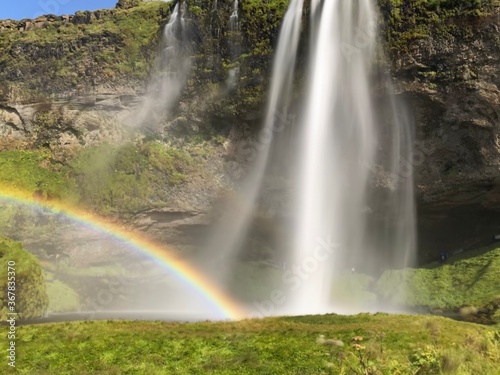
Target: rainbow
221,303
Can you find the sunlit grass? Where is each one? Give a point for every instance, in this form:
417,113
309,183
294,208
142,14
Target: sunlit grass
469,279
391,344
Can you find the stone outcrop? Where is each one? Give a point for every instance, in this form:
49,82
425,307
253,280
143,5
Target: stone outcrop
11,123
47,21
74,122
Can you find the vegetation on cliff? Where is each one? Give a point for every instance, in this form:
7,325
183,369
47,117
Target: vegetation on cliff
59,55
31,300
107,179
441,26
406,20
129,177
115,49
62,298
33,171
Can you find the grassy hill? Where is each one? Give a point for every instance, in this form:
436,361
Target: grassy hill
468,282
328,344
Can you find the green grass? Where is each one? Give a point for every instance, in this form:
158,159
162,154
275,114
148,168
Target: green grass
62,298
24,279
472,278
107,179
126,178
32,171
387,344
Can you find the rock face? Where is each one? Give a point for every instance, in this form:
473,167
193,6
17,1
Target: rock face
452,86
184,228
451,82
11,123
71,123
91,69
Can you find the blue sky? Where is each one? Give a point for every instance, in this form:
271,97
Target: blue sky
19,9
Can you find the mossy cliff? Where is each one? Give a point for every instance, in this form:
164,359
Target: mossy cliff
438,49
74,54
66,83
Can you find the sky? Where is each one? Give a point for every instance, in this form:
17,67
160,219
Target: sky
19,9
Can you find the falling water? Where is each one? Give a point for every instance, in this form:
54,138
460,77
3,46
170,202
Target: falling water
172,67
233,227
343,149
351,205
235,46
234,18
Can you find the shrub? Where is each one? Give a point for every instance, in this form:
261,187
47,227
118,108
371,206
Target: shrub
425,360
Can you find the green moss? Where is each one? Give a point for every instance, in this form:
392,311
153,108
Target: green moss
107,179
470,280
62,298
126,178
408,21
30,296
33,172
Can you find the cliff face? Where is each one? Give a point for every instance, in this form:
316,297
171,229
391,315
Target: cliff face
97,64
90,70
451,83
449,76
65,79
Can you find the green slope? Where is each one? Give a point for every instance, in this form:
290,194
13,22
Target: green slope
470,279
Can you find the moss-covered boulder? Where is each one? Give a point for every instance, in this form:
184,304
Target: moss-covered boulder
31,299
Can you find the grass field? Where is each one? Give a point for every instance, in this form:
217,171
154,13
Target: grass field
328,344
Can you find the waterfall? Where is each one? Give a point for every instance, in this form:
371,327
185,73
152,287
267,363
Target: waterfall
347,164
235,47
171,70
339,156
234,18
228,236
